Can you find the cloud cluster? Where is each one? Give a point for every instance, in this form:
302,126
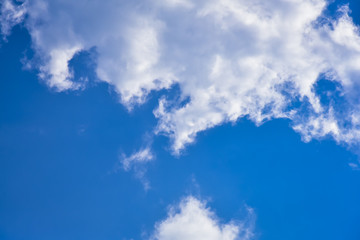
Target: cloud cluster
192,220
231,59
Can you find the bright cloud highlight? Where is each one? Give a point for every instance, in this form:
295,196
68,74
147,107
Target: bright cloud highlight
192,220
231,59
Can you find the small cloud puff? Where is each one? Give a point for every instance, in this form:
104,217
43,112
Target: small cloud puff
192,220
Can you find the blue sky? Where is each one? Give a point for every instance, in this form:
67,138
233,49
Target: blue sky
78,102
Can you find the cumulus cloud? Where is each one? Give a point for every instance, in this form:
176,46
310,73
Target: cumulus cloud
192,220
231,59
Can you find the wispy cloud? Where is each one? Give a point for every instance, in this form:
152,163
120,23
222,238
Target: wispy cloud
354,166
10,16
137,163
143,156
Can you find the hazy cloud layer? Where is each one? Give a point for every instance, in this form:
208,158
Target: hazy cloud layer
230,58
192,220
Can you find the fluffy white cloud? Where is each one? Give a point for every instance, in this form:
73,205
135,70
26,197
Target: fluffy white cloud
230,58
192,220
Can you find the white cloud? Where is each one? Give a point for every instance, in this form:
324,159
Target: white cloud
56,71
192,220
136,162
11,15
143,156
230,58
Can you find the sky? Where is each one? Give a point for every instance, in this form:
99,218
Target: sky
179,119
